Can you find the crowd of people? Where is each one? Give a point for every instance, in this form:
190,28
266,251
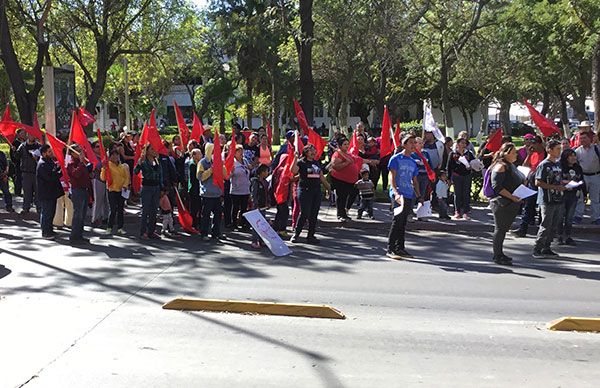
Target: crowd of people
419,169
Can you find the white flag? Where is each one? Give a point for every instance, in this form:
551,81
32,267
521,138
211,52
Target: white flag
429,124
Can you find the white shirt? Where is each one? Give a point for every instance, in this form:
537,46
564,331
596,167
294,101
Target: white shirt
588,159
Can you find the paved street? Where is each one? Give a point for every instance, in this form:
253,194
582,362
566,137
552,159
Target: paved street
73,317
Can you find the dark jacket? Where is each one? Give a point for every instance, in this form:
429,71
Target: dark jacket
260,193
28,162
169,173
48,175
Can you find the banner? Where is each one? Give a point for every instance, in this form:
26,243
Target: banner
268,235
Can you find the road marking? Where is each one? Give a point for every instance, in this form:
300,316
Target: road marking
575,324
253,307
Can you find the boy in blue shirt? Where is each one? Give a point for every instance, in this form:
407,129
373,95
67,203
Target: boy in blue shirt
404,189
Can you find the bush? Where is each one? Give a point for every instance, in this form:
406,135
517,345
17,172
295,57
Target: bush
414,126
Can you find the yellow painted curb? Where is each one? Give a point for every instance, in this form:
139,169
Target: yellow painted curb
575,324
251,307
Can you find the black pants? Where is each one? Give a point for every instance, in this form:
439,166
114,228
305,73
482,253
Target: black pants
503,219
281,218
398,227
345,196
383,167
18,180
47,210
529,211
195,207
239,206
310,203
227,203
211,206
116,203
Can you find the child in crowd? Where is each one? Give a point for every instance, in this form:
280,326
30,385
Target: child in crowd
441,191
366,190
259,190
167,213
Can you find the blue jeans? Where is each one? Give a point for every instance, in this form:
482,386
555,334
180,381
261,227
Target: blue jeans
366,205
48,208
462,193
550,219
211,206
6,193
150,196
79,197
565,224
310,203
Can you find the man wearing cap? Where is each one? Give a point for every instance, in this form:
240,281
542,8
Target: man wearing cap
583,127
588,157
404,189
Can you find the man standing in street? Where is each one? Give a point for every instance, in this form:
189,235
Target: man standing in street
48,175
548,178
28,154
79,170
17,177
404,189
588,157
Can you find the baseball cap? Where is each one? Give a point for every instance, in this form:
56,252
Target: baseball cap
289,134
529,136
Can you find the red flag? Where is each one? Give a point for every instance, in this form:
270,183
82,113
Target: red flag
78,136
185,218
8,126
85,117
397,142
353,147
35,131
136,180
430,172
495,141
217,165
154,137
246,134
545,125
283,174
104,159
230,160
317,141
269,133
301,117
386,135
184,132
197,129
576,140
58,148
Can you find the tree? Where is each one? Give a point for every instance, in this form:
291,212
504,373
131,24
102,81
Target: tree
34,17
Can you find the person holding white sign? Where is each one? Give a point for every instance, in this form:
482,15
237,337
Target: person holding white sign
505,178
571,175
548,178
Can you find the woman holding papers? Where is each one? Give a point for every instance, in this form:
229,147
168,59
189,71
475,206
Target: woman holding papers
572,175
459,171
505,206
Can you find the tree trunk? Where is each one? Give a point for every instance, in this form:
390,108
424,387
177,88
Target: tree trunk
275,113
483,108
304,47
222,120
546,102
596,82
578,105
564,115
379,96
465,116
344,98
505,116
249,106
448,122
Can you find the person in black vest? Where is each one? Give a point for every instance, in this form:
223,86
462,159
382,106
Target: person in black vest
48,175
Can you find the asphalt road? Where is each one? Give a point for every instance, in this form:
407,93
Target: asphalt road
72,317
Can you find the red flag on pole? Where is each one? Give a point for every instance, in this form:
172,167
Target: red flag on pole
353,147
430,172
136,180
230,160
35,131
197,128
386,135
217,166
104,159
269,133
8,127
185,218
58,148
283,174
397,142
545,125
315,139
154,137
495,141
78,136
301,117
184,132
85,117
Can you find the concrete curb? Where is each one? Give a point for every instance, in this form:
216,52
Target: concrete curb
575,324
253,307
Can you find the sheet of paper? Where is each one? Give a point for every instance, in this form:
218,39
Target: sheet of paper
524,170
125,193
464,161
397,210
524,192
424,210
573,184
